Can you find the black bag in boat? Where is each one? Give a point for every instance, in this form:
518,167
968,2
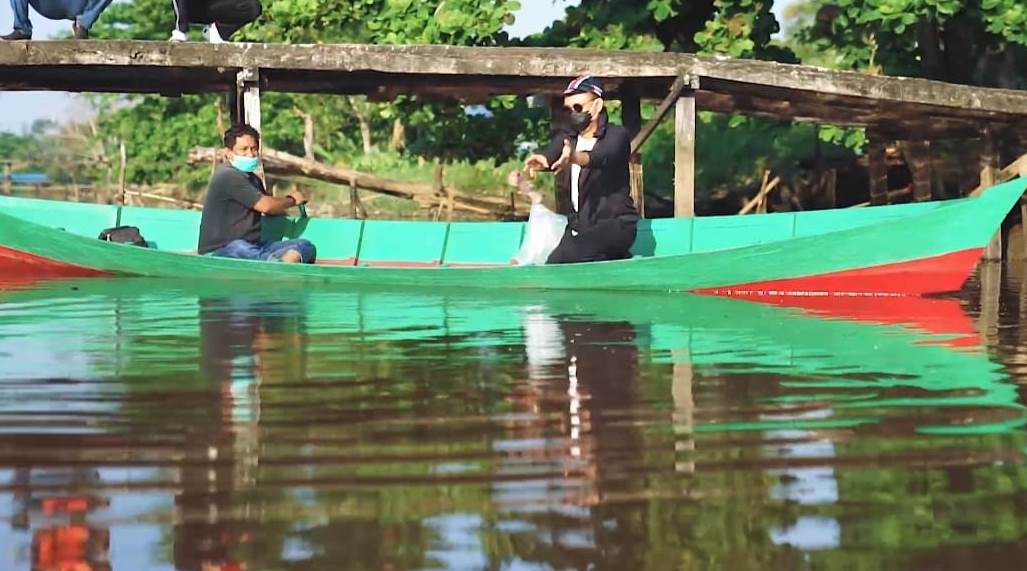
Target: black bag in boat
124,235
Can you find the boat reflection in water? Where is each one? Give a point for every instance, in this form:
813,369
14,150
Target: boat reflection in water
208,427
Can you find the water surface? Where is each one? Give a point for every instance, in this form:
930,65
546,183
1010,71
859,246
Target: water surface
183,426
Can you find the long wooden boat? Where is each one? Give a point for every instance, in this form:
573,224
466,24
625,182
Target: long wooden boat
904,249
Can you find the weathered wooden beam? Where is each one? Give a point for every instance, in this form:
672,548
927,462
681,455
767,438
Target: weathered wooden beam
684,155
248,97
631,115
989,176
427,195
8,177
918,159
123,65
1010,171
878,168
676,89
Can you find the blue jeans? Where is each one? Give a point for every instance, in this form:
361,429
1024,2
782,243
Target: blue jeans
85,12
267,251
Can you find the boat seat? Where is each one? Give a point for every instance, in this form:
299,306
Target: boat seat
391,243
164,228
484,244
78,218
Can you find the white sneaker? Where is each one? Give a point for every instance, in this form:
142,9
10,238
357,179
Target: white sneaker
178,36
211,34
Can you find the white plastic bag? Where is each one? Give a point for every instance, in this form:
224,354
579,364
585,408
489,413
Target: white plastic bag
542,235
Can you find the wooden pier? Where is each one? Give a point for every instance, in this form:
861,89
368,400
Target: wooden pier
891,108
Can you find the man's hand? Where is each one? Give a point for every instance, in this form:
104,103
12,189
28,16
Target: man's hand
297,196
536,163
565,157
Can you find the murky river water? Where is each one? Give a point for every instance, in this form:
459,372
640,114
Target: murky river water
161,425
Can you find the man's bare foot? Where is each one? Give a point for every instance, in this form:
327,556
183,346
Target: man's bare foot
292,257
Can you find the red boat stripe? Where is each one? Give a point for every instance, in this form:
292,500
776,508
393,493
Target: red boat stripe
342,262
22,264
400,264
935,274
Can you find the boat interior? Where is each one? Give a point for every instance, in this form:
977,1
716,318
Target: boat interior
348,242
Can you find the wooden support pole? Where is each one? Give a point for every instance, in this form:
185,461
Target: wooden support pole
918,159
683,417
990,276
878,168
989,176
676,89
247,83
684,155
631,112
123,155
8,177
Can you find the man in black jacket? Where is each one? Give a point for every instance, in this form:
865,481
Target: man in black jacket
590,159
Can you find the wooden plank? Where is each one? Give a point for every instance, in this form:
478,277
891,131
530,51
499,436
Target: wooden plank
1010,171
8,177
684,156
989,176
248,87
918,158
124,64
284,164
631,115
878,169
662,110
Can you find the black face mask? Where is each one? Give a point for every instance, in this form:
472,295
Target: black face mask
580,120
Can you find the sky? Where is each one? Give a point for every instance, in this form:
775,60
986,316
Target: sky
19,109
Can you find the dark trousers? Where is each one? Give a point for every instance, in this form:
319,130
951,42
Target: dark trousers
606,240
229,15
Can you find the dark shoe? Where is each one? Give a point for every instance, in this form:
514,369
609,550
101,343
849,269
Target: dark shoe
80,32
16,35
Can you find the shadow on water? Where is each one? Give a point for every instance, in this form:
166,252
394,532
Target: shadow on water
162,425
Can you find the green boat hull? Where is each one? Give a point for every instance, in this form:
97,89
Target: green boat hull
903,249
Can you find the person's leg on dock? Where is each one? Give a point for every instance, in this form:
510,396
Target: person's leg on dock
22,24
229,15
88,15
181,20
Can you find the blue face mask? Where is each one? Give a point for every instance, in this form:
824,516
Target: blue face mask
245,164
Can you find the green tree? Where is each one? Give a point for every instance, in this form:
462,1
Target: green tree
160,131
976,42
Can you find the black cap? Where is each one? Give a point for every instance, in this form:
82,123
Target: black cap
584,84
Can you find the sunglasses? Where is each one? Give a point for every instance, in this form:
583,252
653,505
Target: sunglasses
577,107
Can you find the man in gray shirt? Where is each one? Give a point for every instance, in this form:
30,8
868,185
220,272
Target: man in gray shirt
236,201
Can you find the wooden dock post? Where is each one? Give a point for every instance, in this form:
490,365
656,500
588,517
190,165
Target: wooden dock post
918,158
989,168
631,114
684,154
877,162
247,109
8,177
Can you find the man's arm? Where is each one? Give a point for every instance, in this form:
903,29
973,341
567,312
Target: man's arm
274,205
245,193
554,149
617,148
